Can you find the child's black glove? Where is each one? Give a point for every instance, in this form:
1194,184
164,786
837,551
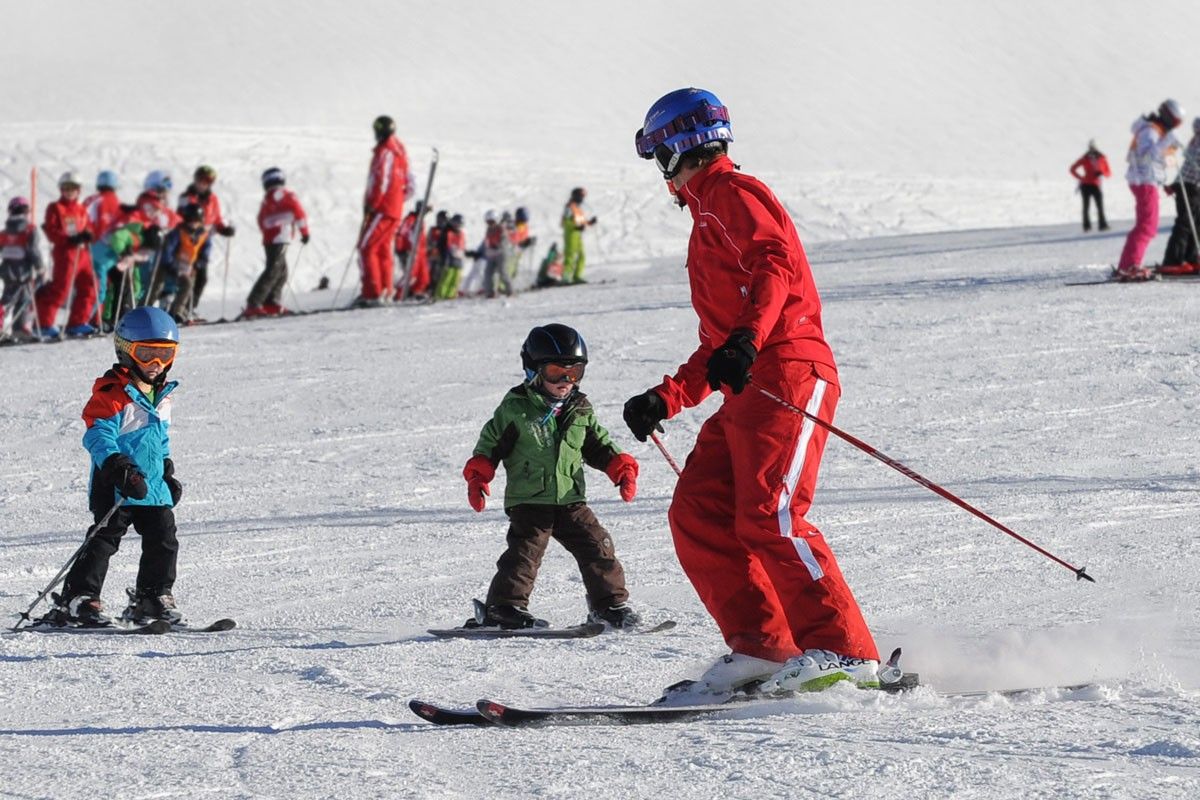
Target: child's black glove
124,475
643,412
173,485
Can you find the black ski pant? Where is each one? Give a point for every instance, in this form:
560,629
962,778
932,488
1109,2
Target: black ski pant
577,529
188,288
268,289
1181,247
1089,193
156,570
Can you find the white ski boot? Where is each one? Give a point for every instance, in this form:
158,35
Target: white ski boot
726,677
814,670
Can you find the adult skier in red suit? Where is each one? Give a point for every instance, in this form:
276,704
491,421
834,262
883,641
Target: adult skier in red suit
763,571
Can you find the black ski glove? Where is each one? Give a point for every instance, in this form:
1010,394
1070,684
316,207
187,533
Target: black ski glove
304,238
730,364
124,475
644,412
173,485
225,230
592,221
76,239
151,237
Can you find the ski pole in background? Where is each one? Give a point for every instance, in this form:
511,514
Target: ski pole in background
1080,574
1187,204
414,235
295,267
225,277
362,229
663,449
91,534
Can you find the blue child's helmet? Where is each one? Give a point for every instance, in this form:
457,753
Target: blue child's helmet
157,181
145,324
107,179
679,122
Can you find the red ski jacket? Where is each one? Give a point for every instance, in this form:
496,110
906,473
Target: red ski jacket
104,212
279,215
1091,168
208,203
747,269
151,210
64,218
387,183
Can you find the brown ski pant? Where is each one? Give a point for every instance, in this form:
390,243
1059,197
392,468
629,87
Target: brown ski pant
577,529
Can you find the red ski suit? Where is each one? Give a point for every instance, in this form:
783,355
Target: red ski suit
763,571
383,206
418,275
104,212
72,266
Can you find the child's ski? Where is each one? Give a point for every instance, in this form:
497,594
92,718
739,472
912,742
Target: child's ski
225,624
154,628
585,631
447,716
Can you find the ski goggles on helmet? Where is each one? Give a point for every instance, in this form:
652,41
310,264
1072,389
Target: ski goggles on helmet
146,354
562,373
688,130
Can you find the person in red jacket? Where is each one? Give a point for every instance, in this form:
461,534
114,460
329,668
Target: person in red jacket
66,226
383,207
418,272
763,571
200,193
1090,169
278,218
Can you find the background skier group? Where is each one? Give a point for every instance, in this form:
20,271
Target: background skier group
1156,159
108,256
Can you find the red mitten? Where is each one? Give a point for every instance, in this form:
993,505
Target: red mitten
479,472
622,471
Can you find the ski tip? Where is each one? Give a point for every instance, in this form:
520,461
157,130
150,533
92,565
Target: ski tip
491,710
158,626
1081,575
426,711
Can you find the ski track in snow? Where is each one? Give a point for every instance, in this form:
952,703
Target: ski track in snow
324,509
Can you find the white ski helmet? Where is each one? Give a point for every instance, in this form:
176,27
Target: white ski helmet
1170,111
69,178
157,181
490,216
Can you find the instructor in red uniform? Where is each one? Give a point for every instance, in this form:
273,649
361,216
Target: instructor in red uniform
763,571
383,208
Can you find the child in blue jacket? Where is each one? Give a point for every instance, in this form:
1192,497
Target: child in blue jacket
127,418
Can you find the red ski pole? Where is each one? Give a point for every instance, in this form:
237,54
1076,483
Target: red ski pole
928,484
662,449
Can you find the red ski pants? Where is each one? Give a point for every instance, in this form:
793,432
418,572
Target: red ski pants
1145,226
761,569
72,267
375,256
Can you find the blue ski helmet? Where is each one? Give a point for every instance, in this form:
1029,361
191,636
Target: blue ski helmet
157,181
679,122
144,324
107,179
147,324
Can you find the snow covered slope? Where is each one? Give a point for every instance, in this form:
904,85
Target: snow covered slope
324,509
324,506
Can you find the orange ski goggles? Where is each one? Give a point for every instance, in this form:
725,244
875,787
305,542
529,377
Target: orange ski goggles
561,373
148,353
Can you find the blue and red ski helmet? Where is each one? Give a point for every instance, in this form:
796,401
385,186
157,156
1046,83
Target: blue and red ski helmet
680,122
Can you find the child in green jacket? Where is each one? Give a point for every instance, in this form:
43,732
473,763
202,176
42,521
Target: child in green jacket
544,431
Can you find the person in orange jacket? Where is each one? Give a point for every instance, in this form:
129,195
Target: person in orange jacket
1090,169
66,226
383,208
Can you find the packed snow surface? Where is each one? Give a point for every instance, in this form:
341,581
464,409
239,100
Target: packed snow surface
922,150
